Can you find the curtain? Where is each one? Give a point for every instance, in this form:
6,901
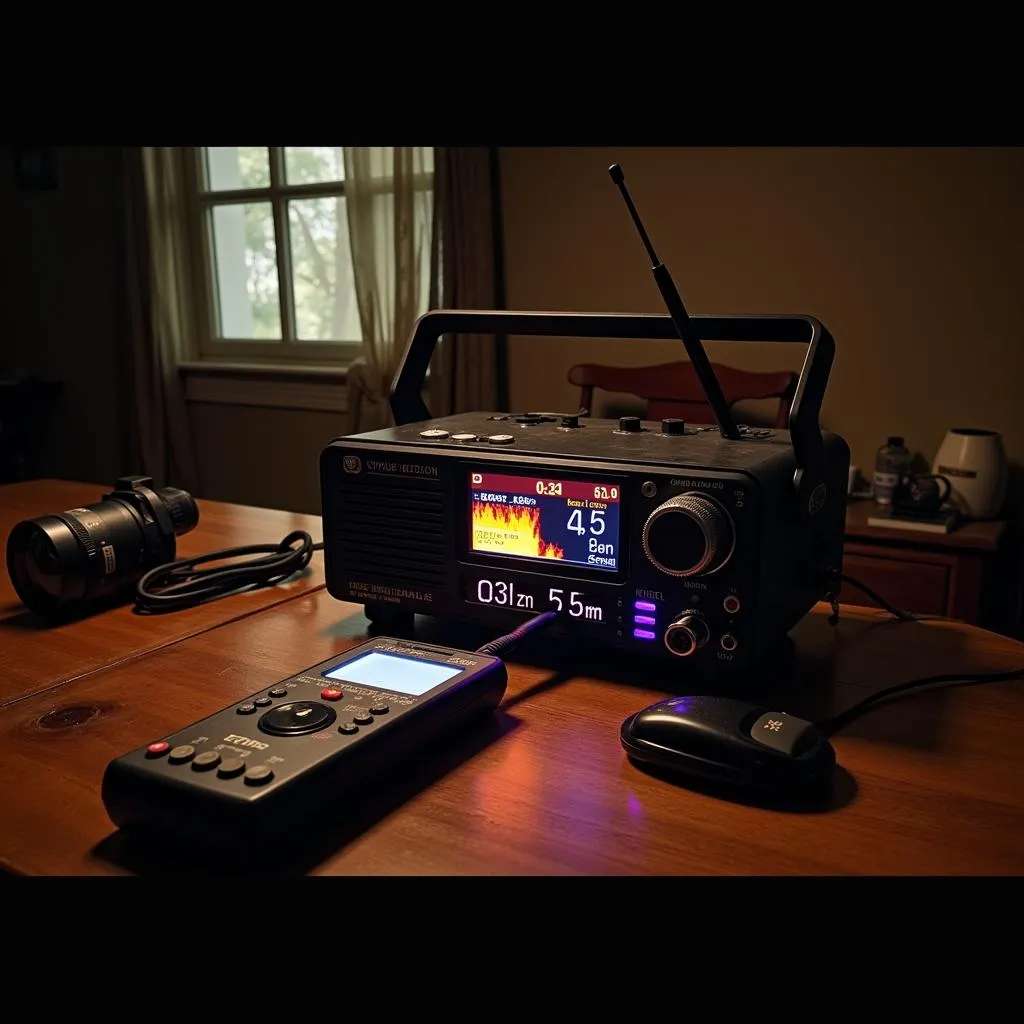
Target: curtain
159,300
389,206
467,372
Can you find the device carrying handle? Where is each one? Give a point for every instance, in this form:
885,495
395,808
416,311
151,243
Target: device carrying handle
408,406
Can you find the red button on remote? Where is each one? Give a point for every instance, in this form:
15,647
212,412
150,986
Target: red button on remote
156,749
331,694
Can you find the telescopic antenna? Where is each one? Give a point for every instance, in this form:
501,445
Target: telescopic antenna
681,320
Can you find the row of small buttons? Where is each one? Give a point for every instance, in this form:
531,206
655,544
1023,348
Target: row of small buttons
436,434
226,768
363,717
261,702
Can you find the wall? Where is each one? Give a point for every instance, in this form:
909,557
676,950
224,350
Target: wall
911,257
261,456
61,296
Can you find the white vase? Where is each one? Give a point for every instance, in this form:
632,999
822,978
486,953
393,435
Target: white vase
974,462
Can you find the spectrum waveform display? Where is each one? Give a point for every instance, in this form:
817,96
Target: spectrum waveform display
539,518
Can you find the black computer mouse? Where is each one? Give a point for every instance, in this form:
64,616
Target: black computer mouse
732,743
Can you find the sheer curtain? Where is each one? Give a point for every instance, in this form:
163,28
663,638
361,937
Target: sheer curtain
160,305
391,227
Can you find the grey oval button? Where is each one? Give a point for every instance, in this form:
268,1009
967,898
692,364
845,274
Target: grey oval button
464,437
259,774
205,761
434,434
501,438
231,767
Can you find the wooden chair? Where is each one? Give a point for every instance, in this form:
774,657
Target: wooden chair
673,390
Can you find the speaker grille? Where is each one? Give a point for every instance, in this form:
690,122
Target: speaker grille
391,530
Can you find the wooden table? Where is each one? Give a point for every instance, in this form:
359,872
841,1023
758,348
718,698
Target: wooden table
35,656
933,784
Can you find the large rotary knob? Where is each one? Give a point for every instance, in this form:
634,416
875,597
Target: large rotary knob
688,535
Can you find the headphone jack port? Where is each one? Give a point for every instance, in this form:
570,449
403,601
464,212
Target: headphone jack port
728,642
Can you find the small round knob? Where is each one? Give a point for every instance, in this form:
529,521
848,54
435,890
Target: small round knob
571,420
688,535
687,635
630,424
673,426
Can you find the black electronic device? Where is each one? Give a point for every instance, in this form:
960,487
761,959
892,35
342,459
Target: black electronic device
256,774
732,743
68,563
704,543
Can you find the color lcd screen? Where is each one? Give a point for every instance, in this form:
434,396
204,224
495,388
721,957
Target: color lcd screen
538,518
395,672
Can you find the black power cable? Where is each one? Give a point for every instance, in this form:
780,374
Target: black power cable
897,613
182,584
832,725
505,643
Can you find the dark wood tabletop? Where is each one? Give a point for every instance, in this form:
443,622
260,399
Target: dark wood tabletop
931,784
35,656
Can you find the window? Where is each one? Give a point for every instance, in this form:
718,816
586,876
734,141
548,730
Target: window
273,264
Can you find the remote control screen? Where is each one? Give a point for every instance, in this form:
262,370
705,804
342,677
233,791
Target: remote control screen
396,672
529,517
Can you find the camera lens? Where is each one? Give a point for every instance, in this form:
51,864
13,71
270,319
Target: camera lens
68,562
43,565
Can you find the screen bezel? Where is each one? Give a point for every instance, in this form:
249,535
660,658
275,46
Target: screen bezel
404,656
539,567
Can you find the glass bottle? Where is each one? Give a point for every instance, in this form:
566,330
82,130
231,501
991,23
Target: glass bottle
892,461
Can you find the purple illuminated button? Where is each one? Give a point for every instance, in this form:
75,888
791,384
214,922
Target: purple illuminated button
645,620
645,606
644,634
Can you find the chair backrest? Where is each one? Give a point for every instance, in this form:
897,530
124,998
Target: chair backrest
673,389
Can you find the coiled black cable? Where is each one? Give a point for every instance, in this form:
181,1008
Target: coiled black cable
182,584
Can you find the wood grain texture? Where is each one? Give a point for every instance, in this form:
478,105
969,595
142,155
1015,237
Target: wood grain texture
34,656
933,784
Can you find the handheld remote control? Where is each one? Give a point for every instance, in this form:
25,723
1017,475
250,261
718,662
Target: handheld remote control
256,771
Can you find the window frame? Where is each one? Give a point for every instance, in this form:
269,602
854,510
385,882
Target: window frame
288,351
